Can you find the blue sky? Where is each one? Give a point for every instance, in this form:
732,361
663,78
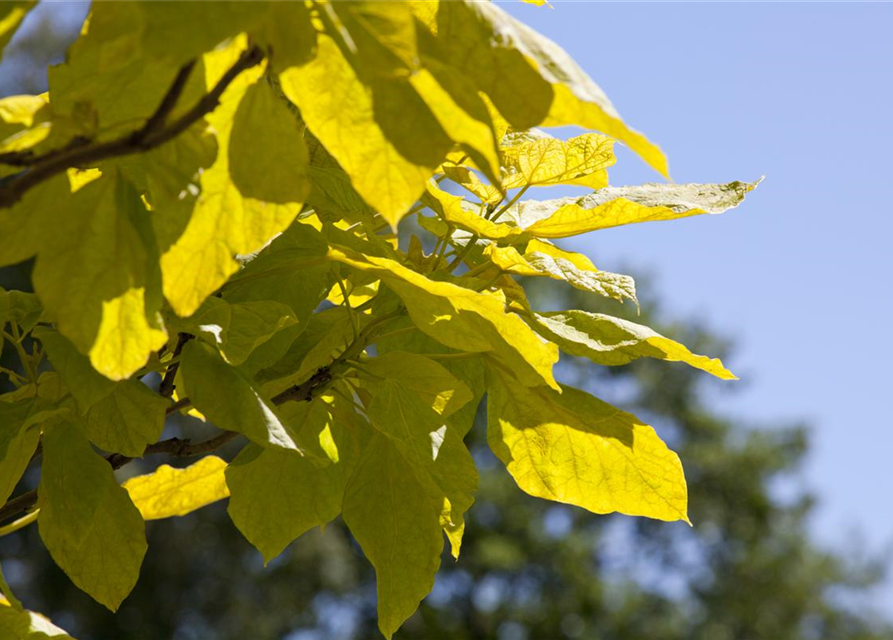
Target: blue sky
800,274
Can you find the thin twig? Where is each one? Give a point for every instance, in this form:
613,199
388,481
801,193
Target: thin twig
166,388
148,137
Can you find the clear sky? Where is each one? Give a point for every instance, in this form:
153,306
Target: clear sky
801,273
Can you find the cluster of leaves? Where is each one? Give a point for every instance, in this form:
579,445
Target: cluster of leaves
212,192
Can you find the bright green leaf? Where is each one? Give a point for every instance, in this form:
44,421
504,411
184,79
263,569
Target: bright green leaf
80,378
11,16
279,495
27,625
394,512
530,79
96,275
220,222
534,158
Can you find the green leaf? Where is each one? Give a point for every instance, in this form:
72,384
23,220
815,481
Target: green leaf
228,398
168,492
17,442
378,129
470,371
573,448
534,158
127,419
23,120
463,319
277,496
80,378
612,341
395,510
267,156
529,78
87,521
98,279
412,396
545,259
416,381
27,625
274,274
237,330
615,206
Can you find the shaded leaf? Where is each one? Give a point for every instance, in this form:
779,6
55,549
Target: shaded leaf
87,521
228,398
613,341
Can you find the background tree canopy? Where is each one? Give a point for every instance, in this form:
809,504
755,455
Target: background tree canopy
208,199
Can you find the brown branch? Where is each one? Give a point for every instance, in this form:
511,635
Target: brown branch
173,446
166,388
151,135
304,392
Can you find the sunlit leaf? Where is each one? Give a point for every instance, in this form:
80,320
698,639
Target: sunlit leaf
573,448
615,206
168,492
613,341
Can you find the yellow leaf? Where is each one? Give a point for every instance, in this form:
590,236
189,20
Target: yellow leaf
459,213
612,341
222,222
576,449
530,79
615,206
380,131
545,259
125,337
168,492
466,178
11,16
533,158
463,319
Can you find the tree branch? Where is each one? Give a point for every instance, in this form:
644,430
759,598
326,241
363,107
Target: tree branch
180,448
166,388
183,448
151,135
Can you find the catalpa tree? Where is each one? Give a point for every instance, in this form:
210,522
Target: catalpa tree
211,194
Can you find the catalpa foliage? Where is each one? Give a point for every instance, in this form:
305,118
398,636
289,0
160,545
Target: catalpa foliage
211,194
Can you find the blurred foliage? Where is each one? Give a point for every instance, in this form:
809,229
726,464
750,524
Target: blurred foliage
529,569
